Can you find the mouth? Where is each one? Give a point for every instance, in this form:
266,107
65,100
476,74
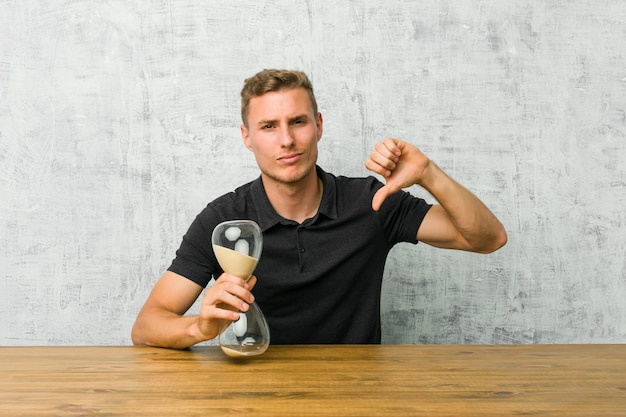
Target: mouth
290,159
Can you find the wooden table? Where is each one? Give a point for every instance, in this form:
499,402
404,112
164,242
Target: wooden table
385,380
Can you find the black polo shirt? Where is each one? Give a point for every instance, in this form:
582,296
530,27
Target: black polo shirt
319,281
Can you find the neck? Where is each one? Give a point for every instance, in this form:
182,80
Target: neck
297,202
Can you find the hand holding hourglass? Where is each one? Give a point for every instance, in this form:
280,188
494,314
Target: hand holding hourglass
237,245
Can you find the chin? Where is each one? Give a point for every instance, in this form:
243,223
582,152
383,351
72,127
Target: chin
290,178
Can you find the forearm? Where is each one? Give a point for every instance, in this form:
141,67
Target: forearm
479,229
155,327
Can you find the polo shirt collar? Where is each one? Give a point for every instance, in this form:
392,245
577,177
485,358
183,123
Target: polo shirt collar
267,216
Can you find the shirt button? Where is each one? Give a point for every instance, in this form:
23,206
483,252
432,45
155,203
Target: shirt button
302,250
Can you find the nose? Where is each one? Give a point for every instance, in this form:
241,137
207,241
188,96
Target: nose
286,137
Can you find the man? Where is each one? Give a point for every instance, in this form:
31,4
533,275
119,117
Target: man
326,238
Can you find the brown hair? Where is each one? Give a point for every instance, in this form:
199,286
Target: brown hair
271,80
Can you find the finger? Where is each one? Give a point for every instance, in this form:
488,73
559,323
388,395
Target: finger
225,301
389,149
394,145
221,312
384,158
230,293
386,154
380,164
251,282
377,168
248,284
379,197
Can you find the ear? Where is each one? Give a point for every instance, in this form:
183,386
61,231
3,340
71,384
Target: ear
320,123
245,136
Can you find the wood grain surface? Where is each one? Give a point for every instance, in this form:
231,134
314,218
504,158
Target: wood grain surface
378,380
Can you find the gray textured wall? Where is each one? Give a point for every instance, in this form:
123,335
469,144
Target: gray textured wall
119,122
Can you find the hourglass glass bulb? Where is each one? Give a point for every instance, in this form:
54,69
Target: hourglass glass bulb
237,245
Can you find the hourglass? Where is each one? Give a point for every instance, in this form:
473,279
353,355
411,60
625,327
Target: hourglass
237,245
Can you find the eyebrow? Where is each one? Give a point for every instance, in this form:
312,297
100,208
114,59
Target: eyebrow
291,119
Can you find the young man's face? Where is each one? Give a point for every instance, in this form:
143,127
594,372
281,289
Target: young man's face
283,132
